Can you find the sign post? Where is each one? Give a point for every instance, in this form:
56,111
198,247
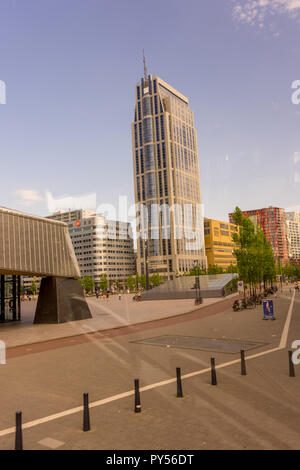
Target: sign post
268,309
240,287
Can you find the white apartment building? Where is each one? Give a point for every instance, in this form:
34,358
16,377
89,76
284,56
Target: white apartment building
293,226
101,246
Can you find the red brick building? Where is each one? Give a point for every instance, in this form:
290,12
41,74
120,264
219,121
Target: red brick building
272,221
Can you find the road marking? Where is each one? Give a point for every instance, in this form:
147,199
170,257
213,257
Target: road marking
285,332
119,396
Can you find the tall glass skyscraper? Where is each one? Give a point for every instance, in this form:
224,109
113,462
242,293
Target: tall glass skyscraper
167,183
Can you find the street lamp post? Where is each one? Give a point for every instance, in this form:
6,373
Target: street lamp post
198,298
146,263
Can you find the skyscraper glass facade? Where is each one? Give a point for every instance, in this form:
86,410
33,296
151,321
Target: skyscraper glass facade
167,181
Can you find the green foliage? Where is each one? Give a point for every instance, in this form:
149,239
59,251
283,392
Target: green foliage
292,270
232,268
197,271
255,259
131,282
214,269
87,283
33,287
156,279
103,282
142,280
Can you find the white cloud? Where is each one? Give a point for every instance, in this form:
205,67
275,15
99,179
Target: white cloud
86,201
254,12
29,196
296,157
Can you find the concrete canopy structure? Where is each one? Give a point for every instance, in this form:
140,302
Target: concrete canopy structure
35,246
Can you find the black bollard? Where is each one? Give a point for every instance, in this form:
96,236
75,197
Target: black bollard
19,438
213,372
179,385
291,364
137,399
243,363
86,413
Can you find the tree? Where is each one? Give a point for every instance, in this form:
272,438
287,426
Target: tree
103,282
143,281
131,282
197,271
156,279
255,259
88,284
232,268
33,287
214,269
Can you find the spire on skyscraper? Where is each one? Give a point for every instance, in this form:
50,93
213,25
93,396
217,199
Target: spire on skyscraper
145,67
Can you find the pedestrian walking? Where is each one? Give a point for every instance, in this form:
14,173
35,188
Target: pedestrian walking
119,295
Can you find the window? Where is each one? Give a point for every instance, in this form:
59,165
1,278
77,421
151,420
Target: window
155,104
149,157
158,156
148,131
162,127
140,134
157,128
164,154
138,188
146,106
135,136
160,184
150,185
142,161
166,183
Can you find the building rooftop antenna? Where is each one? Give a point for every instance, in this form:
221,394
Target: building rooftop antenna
145,67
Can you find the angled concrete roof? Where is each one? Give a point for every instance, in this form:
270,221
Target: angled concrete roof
35,246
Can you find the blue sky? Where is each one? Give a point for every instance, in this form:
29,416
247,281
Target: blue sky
70,70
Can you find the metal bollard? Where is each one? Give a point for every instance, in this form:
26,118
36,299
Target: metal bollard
86,413
243,363
179,384
213,372
291,364
19,438
137,399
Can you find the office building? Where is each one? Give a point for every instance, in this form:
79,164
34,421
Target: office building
170,237
293,229
272,221
101,246
218,242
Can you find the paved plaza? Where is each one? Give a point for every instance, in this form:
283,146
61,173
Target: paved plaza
258,411
107,314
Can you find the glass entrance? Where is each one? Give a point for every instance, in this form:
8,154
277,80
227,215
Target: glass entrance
10,299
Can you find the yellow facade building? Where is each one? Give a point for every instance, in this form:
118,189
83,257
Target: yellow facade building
218,242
